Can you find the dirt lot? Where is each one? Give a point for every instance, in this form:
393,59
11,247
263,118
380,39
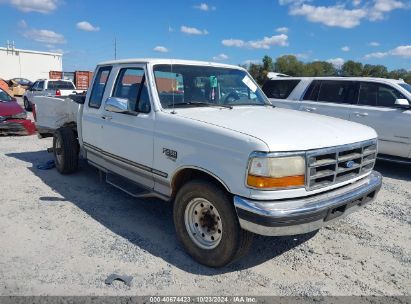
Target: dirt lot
63,235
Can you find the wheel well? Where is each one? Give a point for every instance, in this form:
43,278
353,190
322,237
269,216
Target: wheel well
72,125
188,174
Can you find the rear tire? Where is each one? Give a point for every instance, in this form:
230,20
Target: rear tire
27,105
207,225
65,150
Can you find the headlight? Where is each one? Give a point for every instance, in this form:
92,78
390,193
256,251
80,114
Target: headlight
22,115
276,172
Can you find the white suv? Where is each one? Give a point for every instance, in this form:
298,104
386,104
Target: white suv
383,104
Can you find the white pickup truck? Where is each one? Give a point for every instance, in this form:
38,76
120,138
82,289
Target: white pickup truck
49,87
203,136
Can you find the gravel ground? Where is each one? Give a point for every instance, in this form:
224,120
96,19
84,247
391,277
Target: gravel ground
63,235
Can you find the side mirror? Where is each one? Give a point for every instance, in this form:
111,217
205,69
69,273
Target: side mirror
118,105
14,99
402,103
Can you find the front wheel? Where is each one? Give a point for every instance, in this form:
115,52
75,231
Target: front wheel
207,225
27,105
66,150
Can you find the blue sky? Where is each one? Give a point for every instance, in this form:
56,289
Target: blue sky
236,32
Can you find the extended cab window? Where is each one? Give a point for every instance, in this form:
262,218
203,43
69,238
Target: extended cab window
279,89
99,86
40,85
131,85
380,95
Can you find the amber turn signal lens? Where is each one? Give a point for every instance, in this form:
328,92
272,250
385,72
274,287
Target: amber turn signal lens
275,182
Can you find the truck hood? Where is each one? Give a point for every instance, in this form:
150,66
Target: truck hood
10,108
283,129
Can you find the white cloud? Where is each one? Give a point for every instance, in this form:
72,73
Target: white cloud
374,44
39,6
400,51
45,36
376,55
384,6
283,30
252,61
192,31
22,24
336,16
336,62
205,7
170,29
345,49
220,57
87,26
341,15
160,49
265,43
233,42
356,2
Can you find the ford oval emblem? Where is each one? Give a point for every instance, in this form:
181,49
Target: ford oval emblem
349,164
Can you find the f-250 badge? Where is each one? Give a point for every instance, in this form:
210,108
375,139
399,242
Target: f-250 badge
171,154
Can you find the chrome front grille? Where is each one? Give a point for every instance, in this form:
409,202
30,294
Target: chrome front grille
334,165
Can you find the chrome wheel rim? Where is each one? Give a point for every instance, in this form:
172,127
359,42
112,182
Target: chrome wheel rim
57,151
203,223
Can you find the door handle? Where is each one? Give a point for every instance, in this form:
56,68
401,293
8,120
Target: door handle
361,114
106,117
310,109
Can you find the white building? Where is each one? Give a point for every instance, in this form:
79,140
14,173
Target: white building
17,63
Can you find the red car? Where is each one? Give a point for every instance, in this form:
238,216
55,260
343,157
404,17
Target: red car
13,117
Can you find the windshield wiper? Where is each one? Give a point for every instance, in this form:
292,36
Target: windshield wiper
200,103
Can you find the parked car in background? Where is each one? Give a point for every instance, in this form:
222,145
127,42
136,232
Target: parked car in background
49,87
383,104
232,163
22,81
13,118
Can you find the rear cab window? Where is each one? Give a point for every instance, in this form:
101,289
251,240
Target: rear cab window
99,85
60,85
279,89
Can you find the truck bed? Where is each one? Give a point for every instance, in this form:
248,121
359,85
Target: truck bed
52,113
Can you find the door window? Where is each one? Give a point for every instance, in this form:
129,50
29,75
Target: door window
380,95
279,89
99,86
131,85
312,91
40,85
334,91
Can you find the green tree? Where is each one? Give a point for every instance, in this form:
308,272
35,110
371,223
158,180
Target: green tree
288,64
257,71
351,68
370,70
319,68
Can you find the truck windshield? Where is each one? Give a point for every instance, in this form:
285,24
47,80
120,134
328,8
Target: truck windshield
196,86
61,85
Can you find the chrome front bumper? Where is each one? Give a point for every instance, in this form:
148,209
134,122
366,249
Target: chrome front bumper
302,215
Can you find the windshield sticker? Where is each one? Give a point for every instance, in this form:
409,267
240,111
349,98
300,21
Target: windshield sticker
249,83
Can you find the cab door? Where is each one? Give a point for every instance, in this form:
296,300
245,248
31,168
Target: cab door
376,108
92,118
329,97
129,125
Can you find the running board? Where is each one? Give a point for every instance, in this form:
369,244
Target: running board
130,187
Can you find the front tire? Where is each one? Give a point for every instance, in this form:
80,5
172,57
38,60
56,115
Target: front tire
66,150
207,225
27,105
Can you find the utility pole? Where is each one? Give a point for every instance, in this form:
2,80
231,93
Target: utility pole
115,48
